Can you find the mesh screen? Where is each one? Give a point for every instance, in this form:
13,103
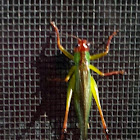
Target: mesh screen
32,104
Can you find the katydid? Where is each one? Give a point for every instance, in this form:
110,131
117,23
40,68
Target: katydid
82,85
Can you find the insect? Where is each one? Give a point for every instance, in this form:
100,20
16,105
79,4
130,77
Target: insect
82,85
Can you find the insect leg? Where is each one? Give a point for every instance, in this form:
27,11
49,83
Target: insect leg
59,44
96,56
67,77
69,95
105,74
95,93
70,73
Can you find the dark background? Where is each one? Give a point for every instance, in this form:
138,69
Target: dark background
32,103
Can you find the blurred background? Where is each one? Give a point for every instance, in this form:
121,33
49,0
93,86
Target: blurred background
32,102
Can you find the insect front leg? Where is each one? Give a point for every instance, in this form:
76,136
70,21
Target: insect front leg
106,74
95,93
96,56
69,95
66,53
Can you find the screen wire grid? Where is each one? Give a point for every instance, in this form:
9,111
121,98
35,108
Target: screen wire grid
32,104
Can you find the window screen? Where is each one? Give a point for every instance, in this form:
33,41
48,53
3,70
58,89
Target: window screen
32,92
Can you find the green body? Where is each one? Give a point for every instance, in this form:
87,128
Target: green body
82,90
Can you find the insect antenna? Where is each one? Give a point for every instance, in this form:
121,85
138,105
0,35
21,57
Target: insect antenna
71,36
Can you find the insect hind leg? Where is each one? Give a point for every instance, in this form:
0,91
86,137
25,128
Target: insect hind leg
95,93
69,95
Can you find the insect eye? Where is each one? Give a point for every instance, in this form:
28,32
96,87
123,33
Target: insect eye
88,44
76,46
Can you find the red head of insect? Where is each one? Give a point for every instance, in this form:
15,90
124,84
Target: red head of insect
83,45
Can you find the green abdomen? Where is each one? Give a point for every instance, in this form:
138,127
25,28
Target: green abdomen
82,97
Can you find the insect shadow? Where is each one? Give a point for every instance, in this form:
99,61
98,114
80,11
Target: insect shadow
52,71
